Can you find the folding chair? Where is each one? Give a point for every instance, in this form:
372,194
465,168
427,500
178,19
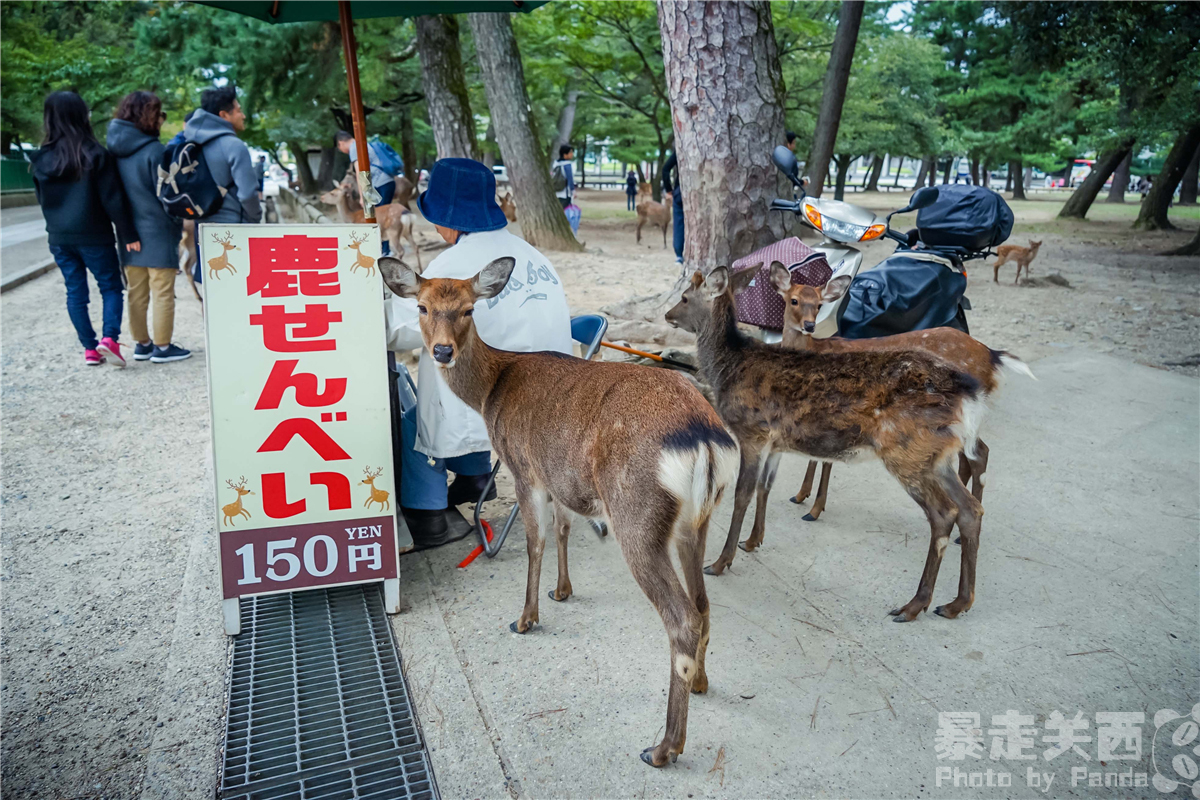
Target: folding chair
588,330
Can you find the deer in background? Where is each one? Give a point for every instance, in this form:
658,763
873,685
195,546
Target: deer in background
215,265
377,495
187,254
655,213
1022,255
957,348
651,460
394,219
235,509
361,259
508,207
910,409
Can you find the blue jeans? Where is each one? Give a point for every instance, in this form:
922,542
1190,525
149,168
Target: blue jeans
630,202
75,262
677,212
423,486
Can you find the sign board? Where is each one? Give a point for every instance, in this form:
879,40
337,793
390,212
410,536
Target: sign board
301,418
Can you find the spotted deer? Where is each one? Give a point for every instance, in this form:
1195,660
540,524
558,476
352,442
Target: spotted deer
654,213
215,265
394,219
377,495
235,509
910,409
1024,256
361,259
637,448
963,352
509,207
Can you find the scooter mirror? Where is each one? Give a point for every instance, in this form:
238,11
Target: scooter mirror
922,198
785,160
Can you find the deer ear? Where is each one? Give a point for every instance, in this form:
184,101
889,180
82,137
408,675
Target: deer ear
717,281
399,277
492,279
835,288
741,279
781,279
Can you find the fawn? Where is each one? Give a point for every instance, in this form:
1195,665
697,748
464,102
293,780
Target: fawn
394,219
361,259
637,448
508,207
957,348
1011,252
377,495
912,410
235,509
655,213
215,265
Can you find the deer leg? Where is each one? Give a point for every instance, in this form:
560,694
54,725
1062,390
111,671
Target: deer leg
416,250
537,516
639,230
751,464
806,487
940,510
664,229
562,529
970,514
978,468
822,492
766,480
964,469
691,560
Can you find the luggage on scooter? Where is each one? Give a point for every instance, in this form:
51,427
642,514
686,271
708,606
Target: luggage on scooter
972,217
760,304
904,293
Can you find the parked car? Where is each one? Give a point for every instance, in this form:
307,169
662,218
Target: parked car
501,173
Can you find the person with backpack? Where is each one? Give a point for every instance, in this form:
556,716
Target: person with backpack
150,271
631,190
386,164
79,189
562,175
676,192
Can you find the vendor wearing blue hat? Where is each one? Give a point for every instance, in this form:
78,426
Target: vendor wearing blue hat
442,433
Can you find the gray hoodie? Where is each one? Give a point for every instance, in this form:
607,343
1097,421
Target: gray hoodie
229,161
138,156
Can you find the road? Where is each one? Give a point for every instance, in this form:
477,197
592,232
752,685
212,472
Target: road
22,240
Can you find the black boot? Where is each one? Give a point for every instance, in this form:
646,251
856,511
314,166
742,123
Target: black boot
428,528
466,489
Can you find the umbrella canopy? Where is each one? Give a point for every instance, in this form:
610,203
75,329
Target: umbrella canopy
280,11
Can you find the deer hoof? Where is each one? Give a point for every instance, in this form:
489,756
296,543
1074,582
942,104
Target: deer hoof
647,755
809,518
714,569
899,615
515,628
747,546
798,500
944,611
552,594
958,540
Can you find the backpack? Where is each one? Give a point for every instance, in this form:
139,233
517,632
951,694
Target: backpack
385,157
185,186
558,178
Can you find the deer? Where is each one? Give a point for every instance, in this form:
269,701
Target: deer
215,265
394,219
957,348
508,207
187,254
235,508
631,448
655,213
1011,252
908,408
377,495
361,259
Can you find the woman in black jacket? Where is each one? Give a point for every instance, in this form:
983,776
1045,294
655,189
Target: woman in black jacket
80,192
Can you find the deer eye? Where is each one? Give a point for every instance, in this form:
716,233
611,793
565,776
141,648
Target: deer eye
795,302
469,312
683,299
423,310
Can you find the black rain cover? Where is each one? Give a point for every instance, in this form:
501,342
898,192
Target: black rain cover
965,216
902,294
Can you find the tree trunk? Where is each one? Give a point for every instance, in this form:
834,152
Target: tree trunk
726,102
899,166
1018,179
1187,189
408,144
876,171
837,76
1081,199
1120,181
445,87
1153,214
973,171
325,173
946,174
843,168
489,138
566,122
923,173
1008,179
1192,248
308,183
1027,179
542,220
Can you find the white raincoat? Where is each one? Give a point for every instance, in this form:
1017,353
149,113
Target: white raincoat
530,314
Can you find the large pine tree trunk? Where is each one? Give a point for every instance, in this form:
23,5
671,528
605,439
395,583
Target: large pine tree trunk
837,76
566,122
408,144
1153,214
1120,181
726,89
923,173
1187,189
542,220
308,181
843,163
1081,199
1018,179
445,86
876,171
899,166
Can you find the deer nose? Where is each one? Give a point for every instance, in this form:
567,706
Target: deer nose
809,326
443,353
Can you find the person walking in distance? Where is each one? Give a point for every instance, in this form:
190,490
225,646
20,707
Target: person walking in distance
562,175
384,183
150,271
631,190
676,192
79,189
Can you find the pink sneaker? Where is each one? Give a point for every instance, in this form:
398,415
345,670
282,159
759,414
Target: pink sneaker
109,347
92,358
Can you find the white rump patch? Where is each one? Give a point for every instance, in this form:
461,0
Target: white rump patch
971,416
684,473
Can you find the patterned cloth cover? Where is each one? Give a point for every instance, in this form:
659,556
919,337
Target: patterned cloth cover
760,304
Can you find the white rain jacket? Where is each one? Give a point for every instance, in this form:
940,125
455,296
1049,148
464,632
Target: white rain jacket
530,314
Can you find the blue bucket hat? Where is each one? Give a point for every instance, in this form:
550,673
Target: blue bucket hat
462,196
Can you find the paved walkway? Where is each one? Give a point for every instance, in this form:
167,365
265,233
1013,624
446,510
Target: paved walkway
22,240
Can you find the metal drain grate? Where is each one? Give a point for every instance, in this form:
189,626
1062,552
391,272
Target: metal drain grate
318,706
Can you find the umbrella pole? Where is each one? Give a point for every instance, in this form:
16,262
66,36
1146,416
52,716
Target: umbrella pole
350,49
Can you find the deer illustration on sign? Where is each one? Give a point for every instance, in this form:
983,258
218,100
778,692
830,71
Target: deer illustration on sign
377,495
235,509
215,265
362,260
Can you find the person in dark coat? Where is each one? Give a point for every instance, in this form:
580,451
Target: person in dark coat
631,189
79,189
133,139
676,192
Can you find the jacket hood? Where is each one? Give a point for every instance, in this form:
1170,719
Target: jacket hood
124,138
204,126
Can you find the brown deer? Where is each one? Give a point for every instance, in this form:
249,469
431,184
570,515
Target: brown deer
187,254
1011,252
910,409
636,447
959,349
377,495
508,207
235,509
215,265
361,259
655,213
394,219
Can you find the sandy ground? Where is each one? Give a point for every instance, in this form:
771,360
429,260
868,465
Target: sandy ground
113,659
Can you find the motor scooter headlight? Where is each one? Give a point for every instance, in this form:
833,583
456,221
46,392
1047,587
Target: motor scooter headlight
844,231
